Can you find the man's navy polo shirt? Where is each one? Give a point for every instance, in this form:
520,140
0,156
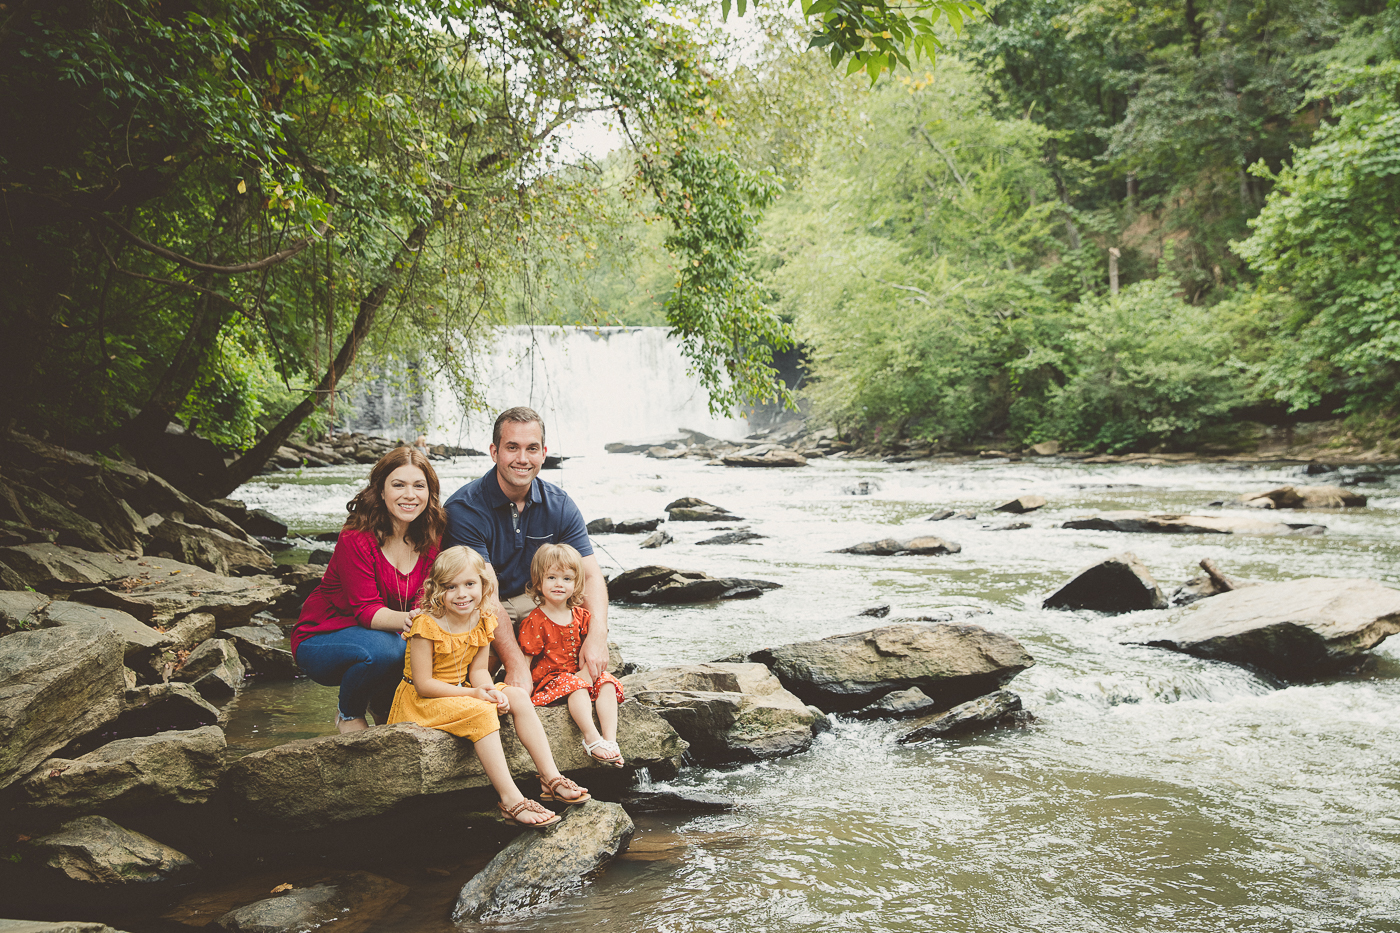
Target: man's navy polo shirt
478,516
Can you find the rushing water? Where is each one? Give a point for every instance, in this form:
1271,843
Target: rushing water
1154,792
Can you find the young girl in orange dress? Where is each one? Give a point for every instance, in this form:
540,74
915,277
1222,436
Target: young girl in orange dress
553,632
446,686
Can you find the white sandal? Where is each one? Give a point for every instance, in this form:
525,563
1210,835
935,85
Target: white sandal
607,745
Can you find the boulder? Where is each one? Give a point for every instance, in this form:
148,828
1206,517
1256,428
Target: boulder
172,767
44,511
1144,522
53,926
260,523
655,584
1115,584
158,592
888,547
636,526
899,704
51,568
972,716
691,509
310,783
773,458
1007,526
348,902
55,685
601,526
641,447
540,865
260,647
673,801
141,644
214,669
21,610
94,850
656,539
733,537
1021,505
950,662
667,453
162,707
1294,629
209,548
1305,497
727,711
1210,583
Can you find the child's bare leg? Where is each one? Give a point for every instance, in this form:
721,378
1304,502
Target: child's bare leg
582,710
530,731
493,762
607,712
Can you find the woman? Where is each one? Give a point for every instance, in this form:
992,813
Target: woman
350,628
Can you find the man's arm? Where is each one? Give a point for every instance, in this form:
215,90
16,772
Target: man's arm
593,656
517,665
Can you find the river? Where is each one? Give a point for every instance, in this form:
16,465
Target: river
1154,791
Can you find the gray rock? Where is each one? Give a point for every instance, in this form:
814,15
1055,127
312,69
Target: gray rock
262,523
158,592
172,767
733,537
55,685
348,902
1143,522
772,458
260,647
951,663
1115,584
53,926
656,539
1007,526
214,669
310,783
50,567
941,515
673,801
636,526
160,707
94,850
141,644
972,716
44,511
1046,448
210,548
691,509
1294,629
1022,504
899,704
540,865
1305,497
21,610
601,526
656,584
727,711
920,546
876,612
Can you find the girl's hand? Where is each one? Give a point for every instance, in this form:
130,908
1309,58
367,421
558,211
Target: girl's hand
499,698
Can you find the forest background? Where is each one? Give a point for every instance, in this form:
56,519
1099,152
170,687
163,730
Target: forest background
1117,225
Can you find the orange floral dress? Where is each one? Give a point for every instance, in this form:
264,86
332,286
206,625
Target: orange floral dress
467,717
555,647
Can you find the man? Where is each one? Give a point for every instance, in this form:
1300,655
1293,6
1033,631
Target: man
505,516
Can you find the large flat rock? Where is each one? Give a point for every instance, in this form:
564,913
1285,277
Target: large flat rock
1294,629
319,782
94,850
350,902
727,711
171,767
55,685
1305,497
1148,523
950,662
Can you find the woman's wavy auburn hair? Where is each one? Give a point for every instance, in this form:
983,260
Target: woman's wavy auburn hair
450,565
546,559
369,513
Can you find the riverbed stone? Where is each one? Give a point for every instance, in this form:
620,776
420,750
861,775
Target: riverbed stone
541,865
158,592
54,926
210,548
656,539
55,685
1296,629
147,710
898,704
691,509
924,545
214,669
1305,497
141,644
172,767
673,801
1120,583
657,584
95,850
348,902
972,716
260,647
727,711
771,458
1022,504
1144,522
310,783
950,662
733,537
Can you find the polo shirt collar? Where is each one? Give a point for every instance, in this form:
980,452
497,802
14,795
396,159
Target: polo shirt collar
497,497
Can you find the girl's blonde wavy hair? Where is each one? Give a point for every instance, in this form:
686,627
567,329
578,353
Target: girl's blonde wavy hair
449,566
556,555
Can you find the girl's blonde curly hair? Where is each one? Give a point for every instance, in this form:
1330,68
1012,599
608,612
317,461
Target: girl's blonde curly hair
450,565
548,557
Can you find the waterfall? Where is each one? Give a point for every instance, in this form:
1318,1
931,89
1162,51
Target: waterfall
592,385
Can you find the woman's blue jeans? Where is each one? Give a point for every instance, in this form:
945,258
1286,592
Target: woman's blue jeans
366,663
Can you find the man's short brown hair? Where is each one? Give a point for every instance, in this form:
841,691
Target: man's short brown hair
517,415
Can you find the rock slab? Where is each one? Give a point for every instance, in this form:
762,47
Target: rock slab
540,865
1294,629
888,547
972,716
1305,497
1021,505
1147,523
1120,583
94,850
657,584
949,662
172,767
346,902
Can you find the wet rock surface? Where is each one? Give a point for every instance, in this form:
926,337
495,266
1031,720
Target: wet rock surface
95,850
1145,523
898,704
657,584
1021,504
350,901
889,547
972,716
691,509
54,926
635,526
1296,629
734,537
541,865
172,767
949,662
1305,497
673,801
1120,583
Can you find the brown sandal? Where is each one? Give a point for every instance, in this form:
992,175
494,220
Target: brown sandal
549,790
510,814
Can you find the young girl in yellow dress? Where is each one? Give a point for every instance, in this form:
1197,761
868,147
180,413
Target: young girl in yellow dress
444,656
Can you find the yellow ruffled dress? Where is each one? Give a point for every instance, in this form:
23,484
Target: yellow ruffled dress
467,717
